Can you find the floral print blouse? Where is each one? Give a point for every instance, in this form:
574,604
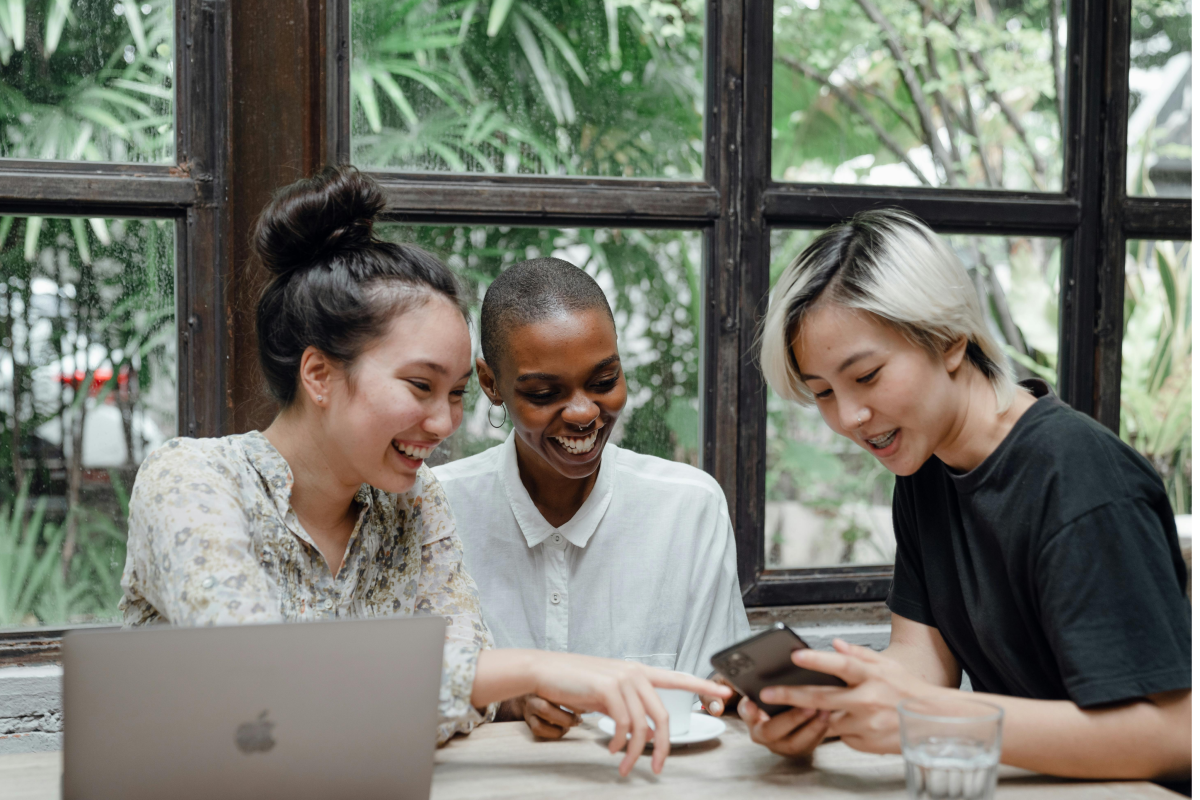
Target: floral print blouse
213,540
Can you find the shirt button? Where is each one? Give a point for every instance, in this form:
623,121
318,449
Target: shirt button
555,598
556,538
209,582
328,604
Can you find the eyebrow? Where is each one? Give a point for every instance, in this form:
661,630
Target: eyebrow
845,365
441,369
546,376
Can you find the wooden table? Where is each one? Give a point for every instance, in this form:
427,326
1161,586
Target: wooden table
502,760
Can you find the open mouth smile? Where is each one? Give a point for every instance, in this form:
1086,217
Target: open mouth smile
413,451
884,440
578,445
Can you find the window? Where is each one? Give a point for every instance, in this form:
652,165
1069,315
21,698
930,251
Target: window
708,139
111,322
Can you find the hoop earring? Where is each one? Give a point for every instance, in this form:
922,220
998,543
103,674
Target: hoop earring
503,418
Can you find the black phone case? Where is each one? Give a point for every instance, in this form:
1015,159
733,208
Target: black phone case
766,660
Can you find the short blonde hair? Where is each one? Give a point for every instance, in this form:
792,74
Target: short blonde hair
888,264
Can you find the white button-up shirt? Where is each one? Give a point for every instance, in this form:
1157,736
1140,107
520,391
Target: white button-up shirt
646,569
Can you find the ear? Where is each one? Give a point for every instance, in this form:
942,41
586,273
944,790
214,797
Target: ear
317,374
487,381
954,355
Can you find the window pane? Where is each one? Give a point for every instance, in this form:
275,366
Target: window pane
87,81
828,500
1156,362
1160,99
87,389
652,280
876,92
532,86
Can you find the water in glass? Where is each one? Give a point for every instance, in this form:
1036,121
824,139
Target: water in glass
951,768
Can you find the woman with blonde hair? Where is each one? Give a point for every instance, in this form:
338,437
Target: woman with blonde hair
1034,549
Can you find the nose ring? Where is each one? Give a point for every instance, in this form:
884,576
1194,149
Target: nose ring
862,413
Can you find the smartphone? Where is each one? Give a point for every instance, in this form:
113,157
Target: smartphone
766,660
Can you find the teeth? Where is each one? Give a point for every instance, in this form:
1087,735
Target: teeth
418,453
880,442
577,445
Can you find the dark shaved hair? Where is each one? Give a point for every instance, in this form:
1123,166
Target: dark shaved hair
530,291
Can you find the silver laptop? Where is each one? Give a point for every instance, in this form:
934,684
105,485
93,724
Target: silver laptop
307,710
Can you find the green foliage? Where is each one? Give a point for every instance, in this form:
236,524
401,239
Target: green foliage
541,86
33,587
954,93
79,82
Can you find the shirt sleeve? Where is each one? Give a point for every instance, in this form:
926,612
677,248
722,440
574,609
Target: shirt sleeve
1112,607
716,617
908,595
190,555
446,589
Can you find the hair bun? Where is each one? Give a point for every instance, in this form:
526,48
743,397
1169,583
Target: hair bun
316,219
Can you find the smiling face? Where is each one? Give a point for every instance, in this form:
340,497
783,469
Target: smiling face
873,386
562,382
401,398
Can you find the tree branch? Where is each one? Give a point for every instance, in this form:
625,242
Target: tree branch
973,124
892,39
858,108
948,116
1057,54
1039,163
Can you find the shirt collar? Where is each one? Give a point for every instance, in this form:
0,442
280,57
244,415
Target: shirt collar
579,529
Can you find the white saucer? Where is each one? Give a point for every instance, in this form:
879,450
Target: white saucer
702,729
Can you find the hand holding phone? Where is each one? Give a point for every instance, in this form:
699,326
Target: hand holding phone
766,660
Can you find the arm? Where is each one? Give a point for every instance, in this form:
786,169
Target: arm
190,553
923,652
1143,739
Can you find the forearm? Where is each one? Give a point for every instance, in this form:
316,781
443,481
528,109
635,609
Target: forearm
503,674
1145,739
925,664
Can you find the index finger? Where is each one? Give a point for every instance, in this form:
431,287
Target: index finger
664,679
850,669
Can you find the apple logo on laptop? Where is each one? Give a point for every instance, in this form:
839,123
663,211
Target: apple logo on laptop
255,737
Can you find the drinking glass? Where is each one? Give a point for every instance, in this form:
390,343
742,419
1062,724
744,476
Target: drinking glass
951,748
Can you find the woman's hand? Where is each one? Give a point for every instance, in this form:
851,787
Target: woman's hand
794,733
716,706
545,719
863,713
624,690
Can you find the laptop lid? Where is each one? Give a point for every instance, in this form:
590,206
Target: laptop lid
303,710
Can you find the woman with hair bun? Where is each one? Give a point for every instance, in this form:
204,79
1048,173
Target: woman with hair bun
331,512
1034,549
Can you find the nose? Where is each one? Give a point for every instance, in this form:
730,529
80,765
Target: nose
581,411
853,416
440,421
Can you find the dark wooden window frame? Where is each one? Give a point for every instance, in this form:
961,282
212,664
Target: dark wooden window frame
304,99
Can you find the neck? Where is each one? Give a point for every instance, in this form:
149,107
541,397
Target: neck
977,429
321,493
556,496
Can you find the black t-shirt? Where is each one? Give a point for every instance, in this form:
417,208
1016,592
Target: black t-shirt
1052,569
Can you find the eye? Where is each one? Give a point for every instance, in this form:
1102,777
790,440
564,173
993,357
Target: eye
540,397
823,395
605,384
870,376
419,385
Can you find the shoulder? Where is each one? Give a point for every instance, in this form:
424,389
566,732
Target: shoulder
685,482
184,460
1077,451
486,463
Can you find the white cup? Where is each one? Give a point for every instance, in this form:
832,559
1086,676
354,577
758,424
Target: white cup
678,703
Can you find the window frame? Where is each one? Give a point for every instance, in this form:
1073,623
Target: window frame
735,205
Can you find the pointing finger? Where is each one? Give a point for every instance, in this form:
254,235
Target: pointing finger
850,669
